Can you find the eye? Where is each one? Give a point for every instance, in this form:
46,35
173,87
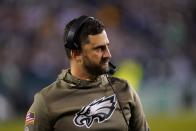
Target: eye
100,48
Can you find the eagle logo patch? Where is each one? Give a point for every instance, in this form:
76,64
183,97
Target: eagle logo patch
101,109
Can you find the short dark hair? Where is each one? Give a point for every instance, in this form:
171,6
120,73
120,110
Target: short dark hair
91,27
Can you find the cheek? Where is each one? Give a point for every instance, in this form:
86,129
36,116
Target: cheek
97,57
94,57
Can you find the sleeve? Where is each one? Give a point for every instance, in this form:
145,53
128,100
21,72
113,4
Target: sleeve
137,121
37,118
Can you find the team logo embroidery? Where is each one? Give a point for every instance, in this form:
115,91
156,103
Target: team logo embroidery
101,109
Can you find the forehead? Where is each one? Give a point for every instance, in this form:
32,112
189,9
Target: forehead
98,39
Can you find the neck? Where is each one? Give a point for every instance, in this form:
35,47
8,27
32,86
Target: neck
81,73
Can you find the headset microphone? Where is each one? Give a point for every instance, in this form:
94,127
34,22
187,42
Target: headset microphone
112,69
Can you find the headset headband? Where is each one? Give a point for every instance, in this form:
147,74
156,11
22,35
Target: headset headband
70,41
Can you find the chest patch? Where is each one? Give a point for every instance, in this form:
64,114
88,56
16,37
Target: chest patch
101,109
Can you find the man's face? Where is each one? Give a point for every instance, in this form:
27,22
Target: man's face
96,54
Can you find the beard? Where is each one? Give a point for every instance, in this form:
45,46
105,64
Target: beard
96,69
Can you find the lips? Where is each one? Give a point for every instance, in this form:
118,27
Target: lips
104,61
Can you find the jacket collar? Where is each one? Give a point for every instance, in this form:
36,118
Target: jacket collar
77,83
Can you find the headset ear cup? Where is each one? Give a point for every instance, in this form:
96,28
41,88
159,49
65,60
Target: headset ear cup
75,45
70,41
67,45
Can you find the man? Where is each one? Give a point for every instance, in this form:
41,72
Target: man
84,97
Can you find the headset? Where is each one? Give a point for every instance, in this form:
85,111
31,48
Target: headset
72,43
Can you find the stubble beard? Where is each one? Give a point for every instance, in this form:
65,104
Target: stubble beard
95,69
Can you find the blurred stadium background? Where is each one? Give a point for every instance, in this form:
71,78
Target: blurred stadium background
153,43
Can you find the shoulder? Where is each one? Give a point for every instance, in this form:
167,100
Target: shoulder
48,89
115,80
119,83
39,105
47,93
53,90
41,96
122,87
55,86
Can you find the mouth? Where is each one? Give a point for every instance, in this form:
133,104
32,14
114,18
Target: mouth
105,62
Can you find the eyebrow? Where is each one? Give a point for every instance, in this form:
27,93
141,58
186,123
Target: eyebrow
98,46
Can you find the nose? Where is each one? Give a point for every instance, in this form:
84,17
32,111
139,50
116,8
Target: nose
107,53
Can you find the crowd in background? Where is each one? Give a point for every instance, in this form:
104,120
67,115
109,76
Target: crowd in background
159,35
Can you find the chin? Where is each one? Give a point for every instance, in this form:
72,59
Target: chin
105,70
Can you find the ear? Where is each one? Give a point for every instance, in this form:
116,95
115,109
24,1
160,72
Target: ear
76,55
